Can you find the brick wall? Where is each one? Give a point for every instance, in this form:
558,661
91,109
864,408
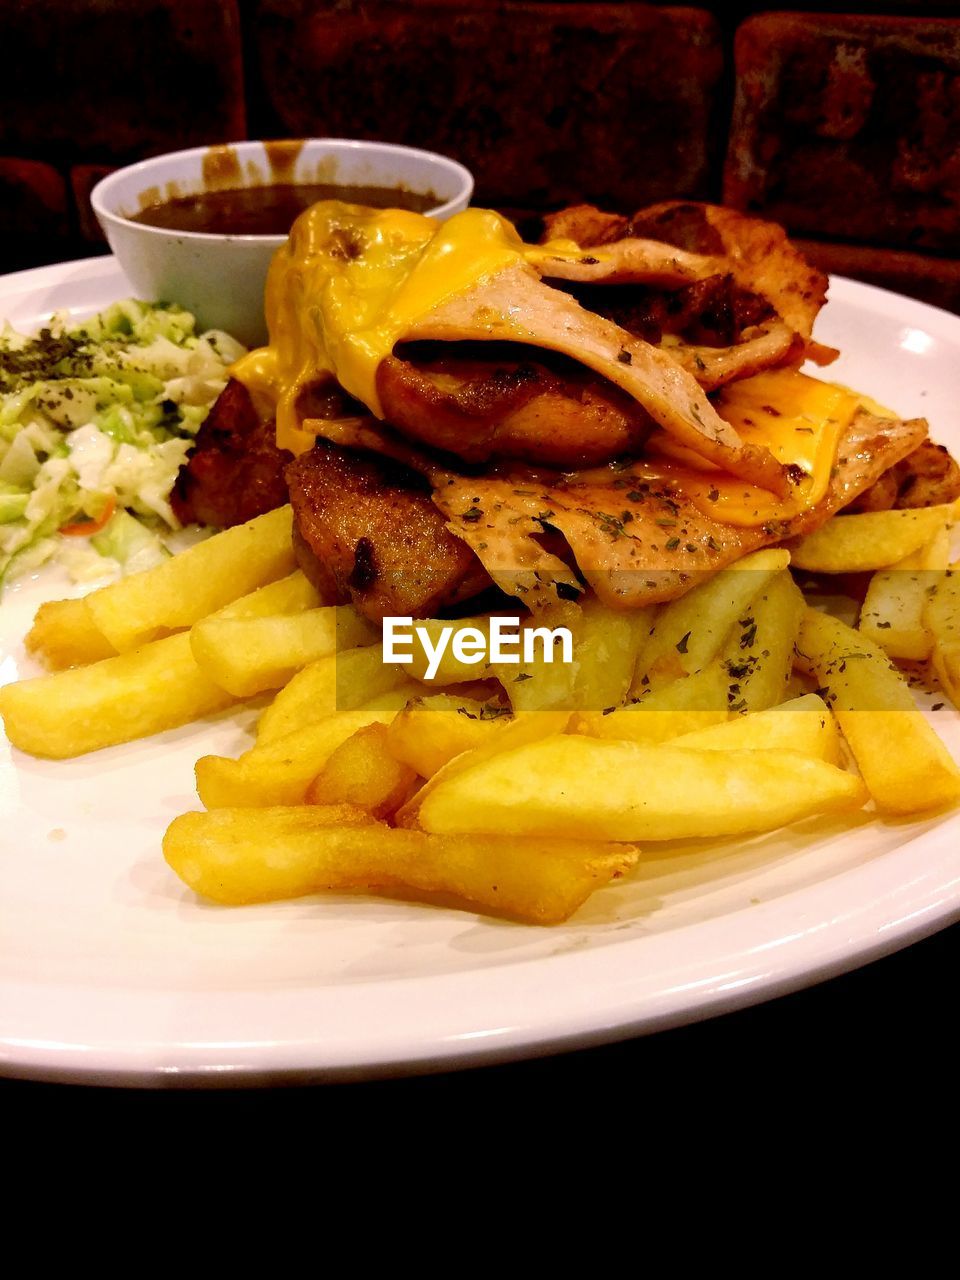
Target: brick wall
844,128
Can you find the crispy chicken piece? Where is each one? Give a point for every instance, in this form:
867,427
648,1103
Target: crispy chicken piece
747,274
725,295
713,311
757,253
634,541
235,471
926,478
724,331
489,400
516,306
587,225
366,530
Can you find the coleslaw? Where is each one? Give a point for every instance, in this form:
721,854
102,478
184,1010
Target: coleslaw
95,421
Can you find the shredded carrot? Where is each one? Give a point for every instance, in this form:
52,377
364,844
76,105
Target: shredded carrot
84,528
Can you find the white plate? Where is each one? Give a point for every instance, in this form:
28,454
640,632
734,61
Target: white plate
112,970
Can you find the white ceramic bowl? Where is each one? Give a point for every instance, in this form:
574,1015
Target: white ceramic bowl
221,278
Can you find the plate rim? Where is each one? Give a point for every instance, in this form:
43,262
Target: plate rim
211,1050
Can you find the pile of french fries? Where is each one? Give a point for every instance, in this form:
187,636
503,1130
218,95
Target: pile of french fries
515,789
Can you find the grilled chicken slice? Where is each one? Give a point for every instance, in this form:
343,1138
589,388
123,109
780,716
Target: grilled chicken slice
235,471
637,541
708,238
514,305
367,531
485,400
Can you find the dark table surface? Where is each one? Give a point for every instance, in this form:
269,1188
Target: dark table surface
893,1020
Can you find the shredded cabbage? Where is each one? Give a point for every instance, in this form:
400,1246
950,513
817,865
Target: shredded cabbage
96,418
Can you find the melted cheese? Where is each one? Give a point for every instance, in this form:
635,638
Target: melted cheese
351,281
798,418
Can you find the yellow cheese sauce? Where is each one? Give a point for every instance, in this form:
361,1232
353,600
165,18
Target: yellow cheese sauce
352,281
798,418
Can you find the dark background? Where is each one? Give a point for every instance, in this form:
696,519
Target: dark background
844,128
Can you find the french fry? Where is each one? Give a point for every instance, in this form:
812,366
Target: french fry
692,702
538,684
363,772
525,728
340,682
606,654
292,594
946,666
280,771
64,634
759,656
803,724
869,540
893,612
450,670
689,632
904,764
69,713
606,643
241,855
942,616
429,732
132,695
193,584
238,856
595,788
249,655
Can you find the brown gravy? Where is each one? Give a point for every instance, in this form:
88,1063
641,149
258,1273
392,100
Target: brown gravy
270,211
